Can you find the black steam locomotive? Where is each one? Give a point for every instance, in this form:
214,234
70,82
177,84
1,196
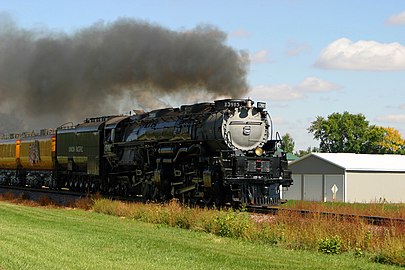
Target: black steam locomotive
211,153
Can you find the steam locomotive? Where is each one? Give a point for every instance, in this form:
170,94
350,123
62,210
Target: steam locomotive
210,153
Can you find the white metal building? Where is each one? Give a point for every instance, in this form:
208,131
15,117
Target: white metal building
348,177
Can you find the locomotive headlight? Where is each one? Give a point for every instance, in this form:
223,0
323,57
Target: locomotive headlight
259,151
261,105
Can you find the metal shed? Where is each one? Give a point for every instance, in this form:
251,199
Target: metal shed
348,177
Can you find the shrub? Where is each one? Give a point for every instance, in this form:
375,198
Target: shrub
233,224
267,234
330,245
106,206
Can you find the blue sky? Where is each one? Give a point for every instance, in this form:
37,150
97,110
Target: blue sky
308,58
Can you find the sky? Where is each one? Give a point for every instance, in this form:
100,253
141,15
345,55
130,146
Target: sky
307,58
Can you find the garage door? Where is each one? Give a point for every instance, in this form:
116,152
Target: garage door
294,192
313,186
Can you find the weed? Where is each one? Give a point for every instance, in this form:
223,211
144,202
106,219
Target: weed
85,203
233,224
45,201
330,245
393,252
358,252
8,196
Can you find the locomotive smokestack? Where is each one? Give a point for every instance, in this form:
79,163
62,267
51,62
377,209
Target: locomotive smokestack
71,76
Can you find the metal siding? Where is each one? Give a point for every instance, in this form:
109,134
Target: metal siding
314,165
8,159
90,151
364,162
83,147
337,180
64,140
294,192
375,187
313,187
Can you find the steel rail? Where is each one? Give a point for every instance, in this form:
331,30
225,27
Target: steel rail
373,220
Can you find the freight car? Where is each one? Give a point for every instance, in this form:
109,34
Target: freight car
212,153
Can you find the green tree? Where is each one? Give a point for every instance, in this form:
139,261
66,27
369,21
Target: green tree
309,150
288,143
350,133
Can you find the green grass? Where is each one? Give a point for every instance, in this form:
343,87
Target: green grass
330,235
48,238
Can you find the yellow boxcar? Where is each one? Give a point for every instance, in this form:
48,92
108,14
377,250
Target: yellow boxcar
38,152
8,151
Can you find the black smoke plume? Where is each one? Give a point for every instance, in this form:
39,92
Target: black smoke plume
56,77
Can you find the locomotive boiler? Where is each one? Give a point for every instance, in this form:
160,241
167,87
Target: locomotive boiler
207,153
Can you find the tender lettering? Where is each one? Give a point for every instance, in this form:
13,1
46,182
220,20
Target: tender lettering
75,149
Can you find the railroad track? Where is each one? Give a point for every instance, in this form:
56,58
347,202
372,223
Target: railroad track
66,197
59,197
373,220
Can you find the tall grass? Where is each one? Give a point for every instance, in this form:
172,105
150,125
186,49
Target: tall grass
330,235
382,208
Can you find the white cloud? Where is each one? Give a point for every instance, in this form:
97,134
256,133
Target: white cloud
292,92
314,84
362,55
397,19
262,56
392,118
240,33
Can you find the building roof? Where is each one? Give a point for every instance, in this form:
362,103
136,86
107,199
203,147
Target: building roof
362,162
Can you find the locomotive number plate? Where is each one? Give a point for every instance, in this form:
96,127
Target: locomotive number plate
232,104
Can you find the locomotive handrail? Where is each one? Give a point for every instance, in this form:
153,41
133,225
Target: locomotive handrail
271,125
66,126
11,136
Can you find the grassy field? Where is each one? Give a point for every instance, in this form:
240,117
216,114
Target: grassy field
49,238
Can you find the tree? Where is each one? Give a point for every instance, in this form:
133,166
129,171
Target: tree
309,150
392,142
350,133
288,143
